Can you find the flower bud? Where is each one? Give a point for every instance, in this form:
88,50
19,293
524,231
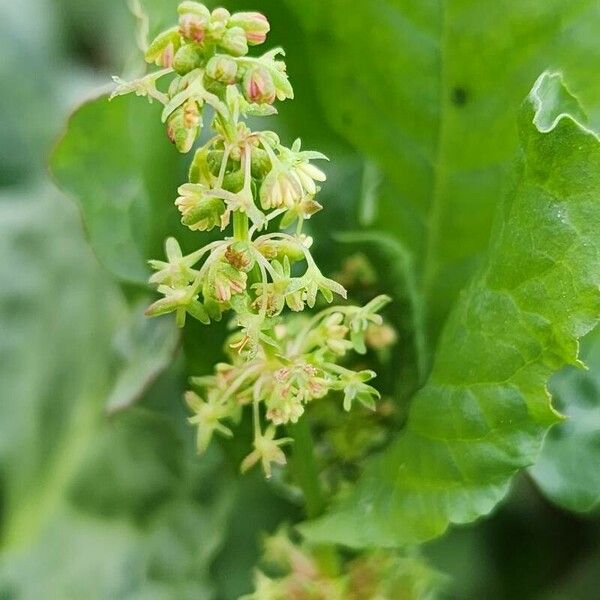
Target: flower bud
259,87
199,169
280,250
254,24
194,8
191,114
222,69
261,163
218,24
183,127
295,301
220,15
317,387
234,41
199,212
193,20
162,50
187,58
380,336
304,209
214,160
205,216
234,182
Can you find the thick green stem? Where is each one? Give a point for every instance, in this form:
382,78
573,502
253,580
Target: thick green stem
306,475
304,468
240,226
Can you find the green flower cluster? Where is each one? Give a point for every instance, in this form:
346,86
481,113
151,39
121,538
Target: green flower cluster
295,364
247,180
295,570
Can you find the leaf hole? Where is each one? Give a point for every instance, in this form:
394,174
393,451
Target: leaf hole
460,96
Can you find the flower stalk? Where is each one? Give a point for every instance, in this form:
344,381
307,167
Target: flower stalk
246,183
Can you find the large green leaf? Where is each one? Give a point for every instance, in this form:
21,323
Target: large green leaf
430,90
58,313
92,507
116,161
567,471
485,409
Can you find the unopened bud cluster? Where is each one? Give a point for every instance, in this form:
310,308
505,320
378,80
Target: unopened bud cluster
247,180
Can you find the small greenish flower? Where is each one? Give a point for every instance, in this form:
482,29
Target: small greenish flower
177,271
307,172
220,15
295,301
255,330
284,404
302,211
280,188
315,282
291,179
240,256
199,210
381,336
363,318
145,86
184,126
184,89
163,48
285,249
207,416
180,300
334,334
267,450
270,297
355,388
226,281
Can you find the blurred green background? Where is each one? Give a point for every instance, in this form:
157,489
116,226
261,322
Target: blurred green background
98,505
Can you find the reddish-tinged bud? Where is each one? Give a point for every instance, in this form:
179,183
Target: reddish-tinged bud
162,50
193,20
218,24
259,87
183,126
254,24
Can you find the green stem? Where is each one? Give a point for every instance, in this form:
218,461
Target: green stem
306,475
240,226
304,468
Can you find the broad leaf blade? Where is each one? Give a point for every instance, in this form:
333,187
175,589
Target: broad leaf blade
567,471
485,409
91,507
430,91
116,161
